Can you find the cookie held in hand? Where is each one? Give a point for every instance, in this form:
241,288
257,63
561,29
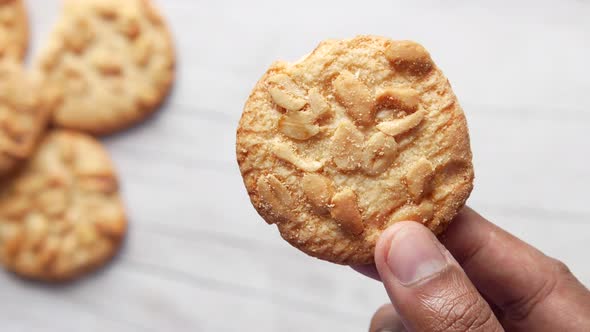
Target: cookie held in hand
61,216
354,137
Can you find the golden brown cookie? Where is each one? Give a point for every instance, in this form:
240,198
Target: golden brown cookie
112,59
61,216
354,137
14,29
25,106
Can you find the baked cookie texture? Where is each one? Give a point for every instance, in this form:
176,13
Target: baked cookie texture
25,106
113,61
61,216
14,30
356,136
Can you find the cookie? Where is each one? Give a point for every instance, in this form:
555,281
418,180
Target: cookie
25,106
61,216
14,29
113,61
356,136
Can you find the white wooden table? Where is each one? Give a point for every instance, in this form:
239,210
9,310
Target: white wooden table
198,258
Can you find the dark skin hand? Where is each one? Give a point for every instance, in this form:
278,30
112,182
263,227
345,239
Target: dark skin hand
477,277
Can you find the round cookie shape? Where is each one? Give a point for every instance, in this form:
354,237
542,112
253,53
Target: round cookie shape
113,62
14,30
61,216
25,106
356,136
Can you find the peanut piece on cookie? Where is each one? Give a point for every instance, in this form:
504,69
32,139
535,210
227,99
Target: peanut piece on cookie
346,212
409,56
355,96
319,190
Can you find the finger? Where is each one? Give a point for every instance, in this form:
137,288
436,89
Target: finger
426,285
532,291
386,320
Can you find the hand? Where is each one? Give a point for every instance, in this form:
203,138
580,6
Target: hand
484,280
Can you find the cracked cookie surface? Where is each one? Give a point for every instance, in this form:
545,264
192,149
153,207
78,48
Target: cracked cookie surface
14,30
113,61
61,216
354,137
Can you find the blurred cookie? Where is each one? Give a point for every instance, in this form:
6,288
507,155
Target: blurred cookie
25,105
14,29
354,137
112,59
61,216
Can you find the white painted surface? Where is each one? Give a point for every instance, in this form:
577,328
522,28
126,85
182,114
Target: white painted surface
198,258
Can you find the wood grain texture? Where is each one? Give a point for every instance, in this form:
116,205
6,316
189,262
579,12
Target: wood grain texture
198,258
